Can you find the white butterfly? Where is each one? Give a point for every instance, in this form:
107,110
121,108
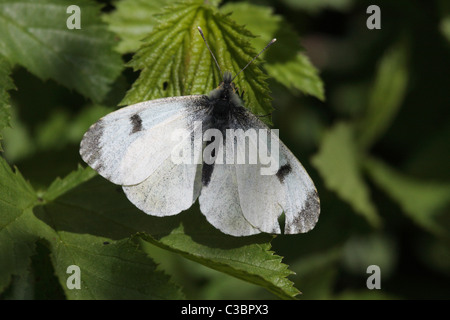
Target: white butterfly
133,147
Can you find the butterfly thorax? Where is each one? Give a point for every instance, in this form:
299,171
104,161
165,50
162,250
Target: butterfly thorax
224,100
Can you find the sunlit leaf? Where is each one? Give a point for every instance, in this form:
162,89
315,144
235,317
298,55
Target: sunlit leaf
132,21
285,61
174,60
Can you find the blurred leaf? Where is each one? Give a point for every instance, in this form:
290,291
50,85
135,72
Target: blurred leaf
339,165
318,5
55,133
5,85
81,59
132,21
316,274
174,60
18,142
286,62
361,251
16,240
445,27
422,201
349,99
431,157
435,254
386,97
62,128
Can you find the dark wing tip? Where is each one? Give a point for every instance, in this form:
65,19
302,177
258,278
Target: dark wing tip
306,219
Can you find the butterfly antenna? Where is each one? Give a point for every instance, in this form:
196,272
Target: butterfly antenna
265,48
204,39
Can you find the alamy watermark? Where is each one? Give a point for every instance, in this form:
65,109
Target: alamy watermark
74,280
252,146
374,20
74,20
374,280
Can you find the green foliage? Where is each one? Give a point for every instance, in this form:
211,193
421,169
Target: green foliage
423,201
69,57
377,143
175,54
341,159
285,61
338,162
111,269
5,85
386,95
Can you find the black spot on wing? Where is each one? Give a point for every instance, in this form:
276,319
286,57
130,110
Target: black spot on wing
283,172
136,121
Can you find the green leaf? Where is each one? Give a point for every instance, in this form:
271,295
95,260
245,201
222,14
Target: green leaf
339,164
60,186
81,59
174,60
423,201
445,27
110,268
5,85
316,273
16,242
386,96
99,208
247,259
285,61
132,21
62,128
58,131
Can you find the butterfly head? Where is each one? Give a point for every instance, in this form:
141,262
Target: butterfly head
226,92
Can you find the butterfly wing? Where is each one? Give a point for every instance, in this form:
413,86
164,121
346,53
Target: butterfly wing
133,147
220,202
127,145
237,199
172,187
254,200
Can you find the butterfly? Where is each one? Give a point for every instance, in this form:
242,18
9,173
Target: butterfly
161,175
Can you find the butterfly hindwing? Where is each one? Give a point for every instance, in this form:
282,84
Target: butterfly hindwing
172,187
255,200
301,206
